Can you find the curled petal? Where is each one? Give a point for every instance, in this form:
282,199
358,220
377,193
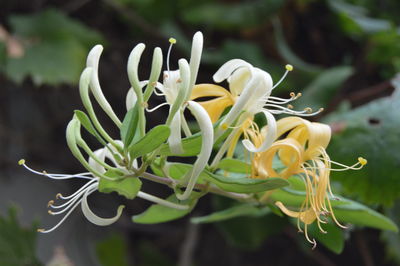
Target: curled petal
101,155
175,139
269,138
93,218
227,69
207,133
244,98
131,99
197,49
93,61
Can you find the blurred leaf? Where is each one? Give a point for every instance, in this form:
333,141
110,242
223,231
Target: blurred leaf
150,255
345,210
17,244
232,212
234,165
230,49
112,251
151,141
247,233
127,187
324,87
358,15
371,131
384,49
287,53
232,16
159,213
55,48
393,240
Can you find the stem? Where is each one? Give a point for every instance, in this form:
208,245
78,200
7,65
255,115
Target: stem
160,201
169,182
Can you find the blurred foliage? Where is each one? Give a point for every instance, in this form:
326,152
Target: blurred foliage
112,251
371,131
54,48
17,243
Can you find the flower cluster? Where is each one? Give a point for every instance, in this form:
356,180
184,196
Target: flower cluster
291,147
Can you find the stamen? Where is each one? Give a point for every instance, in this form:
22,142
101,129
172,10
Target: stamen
362,161
172,41
155,108
86,175
288,69
76,192
90,190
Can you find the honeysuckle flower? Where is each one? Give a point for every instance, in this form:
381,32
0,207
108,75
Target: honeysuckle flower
303,153
72,201
79,197
249,93
176,88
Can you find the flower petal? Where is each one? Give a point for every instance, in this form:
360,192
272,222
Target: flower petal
207,133
175,138
93,61
227,69
93,218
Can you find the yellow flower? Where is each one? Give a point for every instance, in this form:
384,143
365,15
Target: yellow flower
302,152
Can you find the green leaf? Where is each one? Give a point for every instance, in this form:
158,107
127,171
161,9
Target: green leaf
178,171
17,244
324,87
191,147
159,213
345,210
151,141
87,124
112,250
127,187
55,48
370,131
233,212
130,126
245,184
234,165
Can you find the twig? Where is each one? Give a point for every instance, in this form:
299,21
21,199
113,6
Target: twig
189,245
209,188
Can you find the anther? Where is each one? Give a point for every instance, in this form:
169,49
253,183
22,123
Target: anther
178,81
308,109
362,161
21,162
44,172
50,203
40,230
289,67
172,40
224,126
154,83
145,104
165,76
290,106
59,195
50,212
292,94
